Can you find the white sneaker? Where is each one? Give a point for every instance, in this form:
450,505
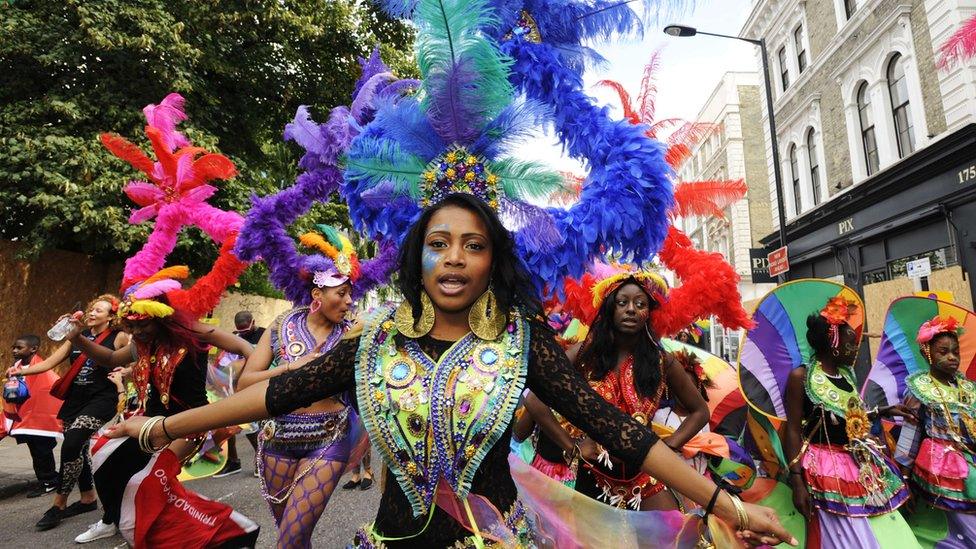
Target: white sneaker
96,531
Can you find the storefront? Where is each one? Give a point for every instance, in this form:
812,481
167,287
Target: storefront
923,206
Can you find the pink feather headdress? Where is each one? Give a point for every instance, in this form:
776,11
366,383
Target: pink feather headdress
176,195
936,326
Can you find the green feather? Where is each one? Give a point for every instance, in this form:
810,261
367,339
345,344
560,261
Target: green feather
378,161
523,179
452,30
331,235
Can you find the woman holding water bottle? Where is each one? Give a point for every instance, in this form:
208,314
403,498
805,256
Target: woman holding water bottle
90,400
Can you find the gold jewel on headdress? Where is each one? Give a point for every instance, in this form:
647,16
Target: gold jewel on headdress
457,171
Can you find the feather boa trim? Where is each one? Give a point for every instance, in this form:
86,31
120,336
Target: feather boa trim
265,236
624,204
709,286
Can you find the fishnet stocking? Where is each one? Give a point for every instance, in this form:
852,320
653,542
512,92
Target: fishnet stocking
302,510
278,472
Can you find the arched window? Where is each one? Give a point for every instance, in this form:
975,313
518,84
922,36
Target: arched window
814,166
784,70
795,176
868,140
900,108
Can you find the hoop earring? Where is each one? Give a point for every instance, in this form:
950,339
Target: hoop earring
403,318
315,306
486,319
835,353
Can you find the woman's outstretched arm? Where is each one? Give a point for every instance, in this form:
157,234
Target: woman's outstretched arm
555,382
323,377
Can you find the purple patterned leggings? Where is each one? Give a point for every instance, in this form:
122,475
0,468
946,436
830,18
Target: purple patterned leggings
302,458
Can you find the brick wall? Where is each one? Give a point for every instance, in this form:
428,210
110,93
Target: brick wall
34,294
754,158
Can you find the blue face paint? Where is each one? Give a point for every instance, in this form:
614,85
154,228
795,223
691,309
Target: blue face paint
431,256
429,259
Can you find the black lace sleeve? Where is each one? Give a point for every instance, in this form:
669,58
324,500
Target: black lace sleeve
328,375
554,380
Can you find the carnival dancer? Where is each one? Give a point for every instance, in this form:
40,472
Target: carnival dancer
626,365
939,455
139,492
843,483
303,454
169,349
90,400
437,380
434,342
34,422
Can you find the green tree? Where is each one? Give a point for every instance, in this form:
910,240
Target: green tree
71,69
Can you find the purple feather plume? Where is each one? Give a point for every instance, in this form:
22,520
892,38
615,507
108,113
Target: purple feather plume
371,66
375,272
453,104
364,97
401,87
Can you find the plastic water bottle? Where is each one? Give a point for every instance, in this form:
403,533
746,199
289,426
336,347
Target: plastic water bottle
62,327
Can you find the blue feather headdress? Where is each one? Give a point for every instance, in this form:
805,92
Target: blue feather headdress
476,57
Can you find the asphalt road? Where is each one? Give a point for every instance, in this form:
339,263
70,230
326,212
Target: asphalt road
347,510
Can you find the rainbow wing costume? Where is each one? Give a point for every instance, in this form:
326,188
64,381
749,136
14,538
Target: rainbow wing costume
778,343
899,355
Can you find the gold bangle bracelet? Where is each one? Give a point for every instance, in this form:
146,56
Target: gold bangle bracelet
740,511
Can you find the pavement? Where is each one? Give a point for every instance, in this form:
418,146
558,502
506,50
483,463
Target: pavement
16,471
347,510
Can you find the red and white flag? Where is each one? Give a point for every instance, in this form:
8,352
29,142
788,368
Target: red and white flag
157,511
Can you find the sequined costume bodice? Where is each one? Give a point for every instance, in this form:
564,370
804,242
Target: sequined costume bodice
435,420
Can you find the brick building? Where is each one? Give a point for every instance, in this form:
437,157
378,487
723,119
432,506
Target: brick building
735,150
877,146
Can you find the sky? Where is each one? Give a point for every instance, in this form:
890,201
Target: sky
690,68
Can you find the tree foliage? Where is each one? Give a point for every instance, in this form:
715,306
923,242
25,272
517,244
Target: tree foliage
70,69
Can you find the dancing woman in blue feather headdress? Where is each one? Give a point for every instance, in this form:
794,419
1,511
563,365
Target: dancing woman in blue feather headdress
437,379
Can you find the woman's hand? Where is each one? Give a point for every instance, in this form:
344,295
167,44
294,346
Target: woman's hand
589,450
131,428
896,410
77,325
801,496
16,371
764,527
116,377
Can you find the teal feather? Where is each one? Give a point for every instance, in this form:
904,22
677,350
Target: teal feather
380,161
465,74
331,235
522,179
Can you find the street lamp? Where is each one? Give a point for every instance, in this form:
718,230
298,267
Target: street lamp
683,31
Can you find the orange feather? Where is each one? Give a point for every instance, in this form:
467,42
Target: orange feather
706,198
128,151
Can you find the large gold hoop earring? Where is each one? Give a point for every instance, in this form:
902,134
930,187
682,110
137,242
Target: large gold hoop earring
486,319
403,318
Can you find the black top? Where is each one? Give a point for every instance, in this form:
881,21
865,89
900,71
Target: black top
187,390
550,376
252,336
833,428
91,393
